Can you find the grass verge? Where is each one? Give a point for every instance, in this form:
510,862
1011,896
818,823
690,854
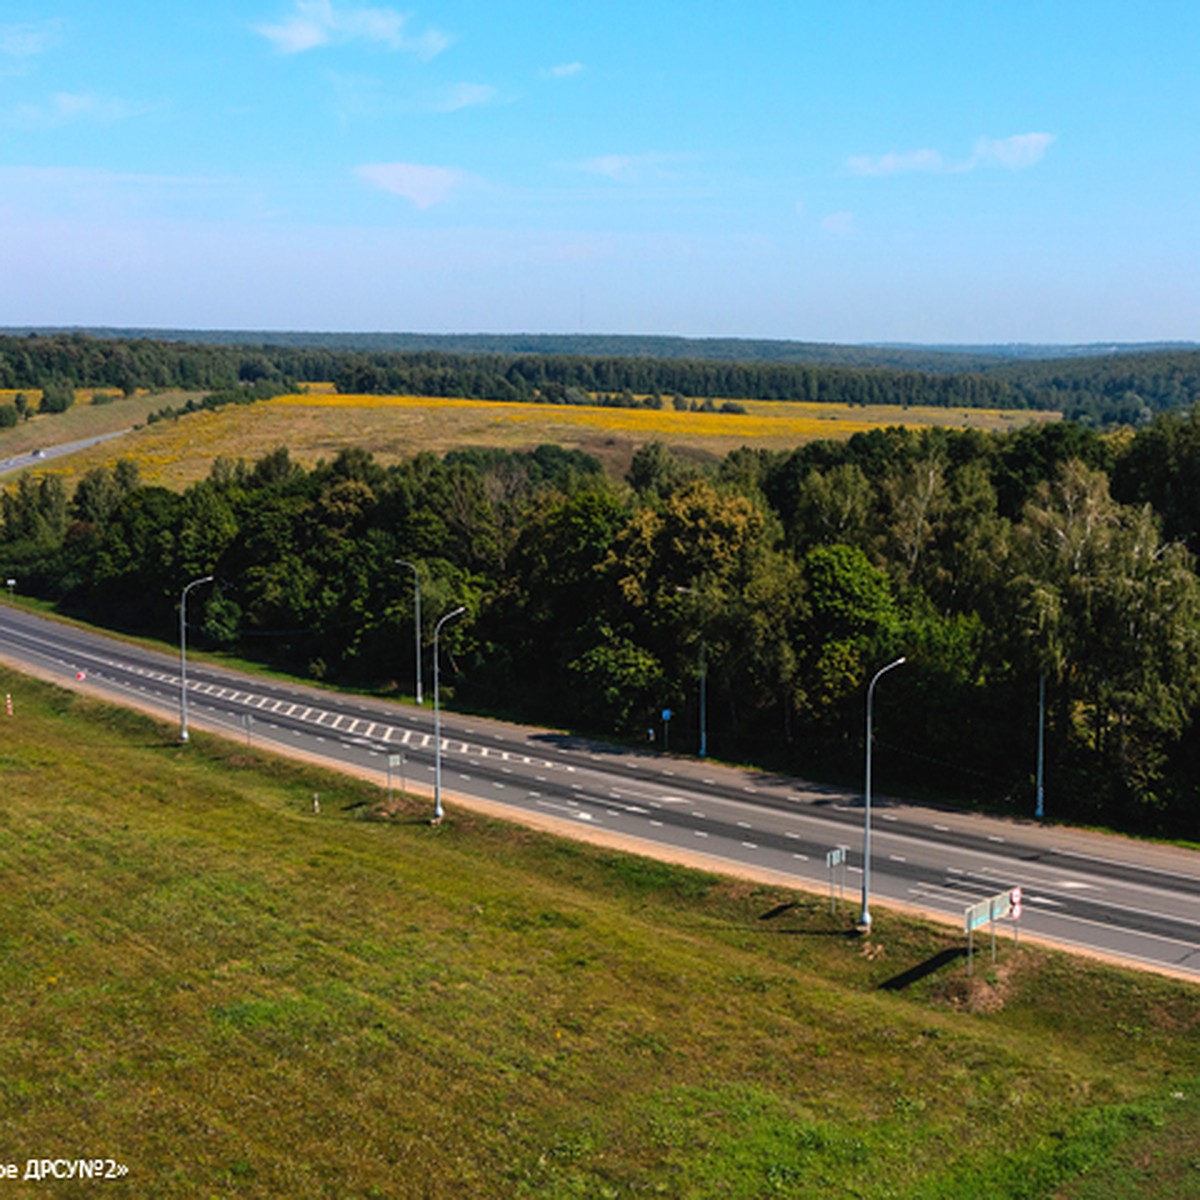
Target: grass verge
234,996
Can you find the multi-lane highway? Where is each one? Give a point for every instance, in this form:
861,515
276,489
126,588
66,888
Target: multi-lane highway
1131,900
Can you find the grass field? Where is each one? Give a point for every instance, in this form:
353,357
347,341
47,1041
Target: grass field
232,995
316,425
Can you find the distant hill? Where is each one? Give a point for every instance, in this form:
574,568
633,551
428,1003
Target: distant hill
1101,385
937,359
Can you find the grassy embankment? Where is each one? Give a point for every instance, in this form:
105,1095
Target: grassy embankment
175,453
232,995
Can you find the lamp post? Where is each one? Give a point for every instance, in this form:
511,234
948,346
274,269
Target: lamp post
691,591
864,919
437,718
183,728
401,562
1040,798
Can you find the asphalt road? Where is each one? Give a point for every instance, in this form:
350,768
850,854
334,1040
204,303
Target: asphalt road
36,458
1134,901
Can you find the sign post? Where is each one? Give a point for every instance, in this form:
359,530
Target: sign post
393,760
988,912
833,860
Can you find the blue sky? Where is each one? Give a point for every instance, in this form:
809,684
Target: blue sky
827,171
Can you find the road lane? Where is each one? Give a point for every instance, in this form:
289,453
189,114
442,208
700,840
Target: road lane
1107,895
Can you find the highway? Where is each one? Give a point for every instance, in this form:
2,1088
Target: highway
1133,901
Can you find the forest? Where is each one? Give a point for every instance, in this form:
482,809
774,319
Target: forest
1100,390
994,562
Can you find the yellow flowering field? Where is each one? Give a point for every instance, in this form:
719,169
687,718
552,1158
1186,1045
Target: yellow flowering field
317,424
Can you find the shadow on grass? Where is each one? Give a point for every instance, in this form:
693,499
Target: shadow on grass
898,983
780,909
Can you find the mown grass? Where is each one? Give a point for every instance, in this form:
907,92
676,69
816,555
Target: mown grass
234,996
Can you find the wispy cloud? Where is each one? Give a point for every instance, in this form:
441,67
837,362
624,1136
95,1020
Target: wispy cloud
30,39
423,185
367,97
892,164
563,70
1016,153
19,44
314,23
463,95
65,177
631,168
840,224
64,108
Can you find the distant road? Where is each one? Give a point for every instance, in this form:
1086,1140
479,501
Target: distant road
1134,901
34,458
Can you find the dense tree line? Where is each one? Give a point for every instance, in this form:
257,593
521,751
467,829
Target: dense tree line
1126,389
1101,391
990,561
936,359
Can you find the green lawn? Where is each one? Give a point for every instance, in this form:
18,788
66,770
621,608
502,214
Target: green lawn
233,996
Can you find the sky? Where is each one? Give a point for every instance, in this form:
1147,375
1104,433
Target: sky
821,170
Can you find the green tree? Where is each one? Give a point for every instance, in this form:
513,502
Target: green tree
1112,613
57,396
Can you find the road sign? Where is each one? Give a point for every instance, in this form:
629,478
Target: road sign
988,912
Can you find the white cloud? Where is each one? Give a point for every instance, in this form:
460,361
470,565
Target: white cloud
65,107
28,40
464,95
633,168
612,166
424,185
893,164
840,224
1016,153
316,23
564,70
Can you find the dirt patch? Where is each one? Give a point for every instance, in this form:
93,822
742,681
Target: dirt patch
986,990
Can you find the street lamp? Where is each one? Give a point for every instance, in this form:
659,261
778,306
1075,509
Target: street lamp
437,719
1040,799
864,919
183,728
401,562
703,684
